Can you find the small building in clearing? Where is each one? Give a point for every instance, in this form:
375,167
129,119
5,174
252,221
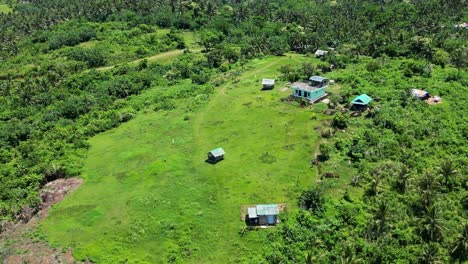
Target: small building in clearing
268,84
361,102
421,94
263,214
320,53
313,91
215,155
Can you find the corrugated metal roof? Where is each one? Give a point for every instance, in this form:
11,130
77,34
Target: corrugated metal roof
267,209
362,99
321,52
304,87
268,81
252,212
419,93
317,78
217,152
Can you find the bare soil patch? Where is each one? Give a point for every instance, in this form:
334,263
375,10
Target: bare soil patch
434,100
20,243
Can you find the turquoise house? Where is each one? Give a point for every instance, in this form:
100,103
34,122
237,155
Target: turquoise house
312,91
361,102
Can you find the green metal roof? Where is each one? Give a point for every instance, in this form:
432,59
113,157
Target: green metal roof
267,209
363,99
217,152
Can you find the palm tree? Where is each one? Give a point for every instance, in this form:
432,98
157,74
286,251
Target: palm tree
432,228
460,246
382,217
403,176
374,185
348,255
448,169
430,255
428,186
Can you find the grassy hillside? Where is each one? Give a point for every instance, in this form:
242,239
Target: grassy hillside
148,192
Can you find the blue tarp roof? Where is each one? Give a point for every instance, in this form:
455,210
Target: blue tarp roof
317,78
363,99
267,209
217,152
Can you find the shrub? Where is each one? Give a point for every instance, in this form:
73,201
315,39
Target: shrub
312,199
373,66
92,57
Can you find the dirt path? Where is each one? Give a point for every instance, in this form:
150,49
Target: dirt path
158,57
21,243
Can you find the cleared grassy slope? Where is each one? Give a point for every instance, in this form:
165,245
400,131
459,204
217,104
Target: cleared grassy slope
149,197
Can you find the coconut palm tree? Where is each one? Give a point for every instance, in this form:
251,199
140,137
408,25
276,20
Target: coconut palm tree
402,178
459,249
430,255
432,226
448,170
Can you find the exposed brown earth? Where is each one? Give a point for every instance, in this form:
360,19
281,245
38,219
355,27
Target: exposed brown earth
20,243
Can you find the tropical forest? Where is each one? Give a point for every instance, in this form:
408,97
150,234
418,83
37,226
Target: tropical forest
234,131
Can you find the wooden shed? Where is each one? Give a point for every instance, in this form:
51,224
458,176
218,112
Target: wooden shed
263,214
268,84
215,155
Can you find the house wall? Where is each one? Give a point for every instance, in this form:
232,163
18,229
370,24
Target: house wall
313,95
268,219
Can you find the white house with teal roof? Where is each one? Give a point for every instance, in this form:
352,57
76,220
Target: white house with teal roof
312,91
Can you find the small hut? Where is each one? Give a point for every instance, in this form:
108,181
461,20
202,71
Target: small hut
215,155
320,53
263,214
361,102
421,94
268,84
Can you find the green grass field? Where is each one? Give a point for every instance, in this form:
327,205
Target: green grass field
149,197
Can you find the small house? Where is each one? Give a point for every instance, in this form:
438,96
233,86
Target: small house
263,214
268,84
421,94
462,26
320,53
312,91
361,102
215,155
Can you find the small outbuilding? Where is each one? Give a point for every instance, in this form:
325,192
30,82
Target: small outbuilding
462,26
215,155
263,214
268,84
421,94
313,91
361,102
320,53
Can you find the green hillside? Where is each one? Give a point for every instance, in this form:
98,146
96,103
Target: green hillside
148,192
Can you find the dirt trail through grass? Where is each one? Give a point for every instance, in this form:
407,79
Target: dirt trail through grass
162,58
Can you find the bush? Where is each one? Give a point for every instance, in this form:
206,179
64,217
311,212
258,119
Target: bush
71,37
312,199
92,57
373,66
